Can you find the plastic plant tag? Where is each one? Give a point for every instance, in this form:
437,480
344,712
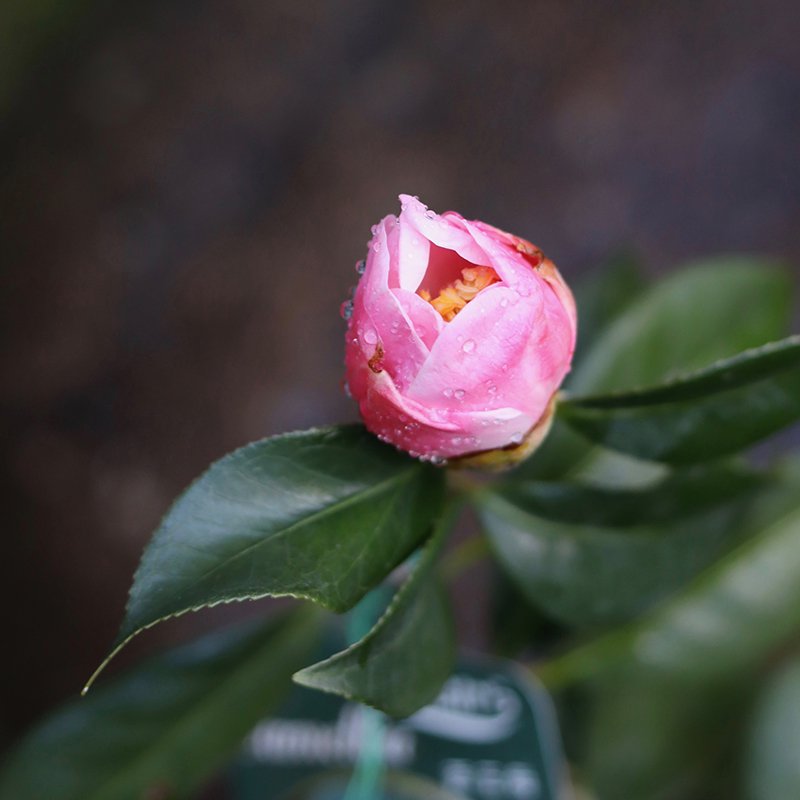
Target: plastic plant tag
490,735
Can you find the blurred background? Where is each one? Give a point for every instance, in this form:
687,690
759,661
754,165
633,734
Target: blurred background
185,187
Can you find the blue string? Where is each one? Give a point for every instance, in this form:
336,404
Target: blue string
367,778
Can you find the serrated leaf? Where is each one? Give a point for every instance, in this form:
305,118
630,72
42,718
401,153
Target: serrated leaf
700,417
401,664
168,724
589,556
323,515
773,757
707,311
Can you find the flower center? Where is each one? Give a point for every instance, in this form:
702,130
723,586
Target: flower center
453,297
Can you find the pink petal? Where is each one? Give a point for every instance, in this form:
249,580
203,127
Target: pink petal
447,232
470,362
412,255
425,319
509,264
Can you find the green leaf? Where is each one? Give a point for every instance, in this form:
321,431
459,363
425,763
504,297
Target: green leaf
703,313
401,664
712,413
603,296
323,515
649,738
601,299
669,692
688,321
728,620
677,495
167,725
589,556
773,761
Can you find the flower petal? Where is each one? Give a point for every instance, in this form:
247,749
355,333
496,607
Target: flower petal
425,319
469,364
448,232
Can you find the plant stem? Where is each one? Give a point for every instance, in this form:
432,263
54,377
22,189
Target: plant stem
464,556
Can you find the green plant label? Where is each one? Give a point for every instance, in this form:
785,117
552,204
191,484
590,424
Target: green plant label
490,735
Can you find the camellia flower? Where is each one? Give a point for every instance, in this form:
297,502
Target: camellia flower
458,337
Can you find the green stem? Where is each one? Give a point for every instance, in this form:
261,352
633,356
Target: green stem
365,782
464,556
583,661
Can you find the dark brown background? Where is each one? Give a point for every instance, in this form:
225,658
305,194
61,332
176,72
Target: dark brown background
186,186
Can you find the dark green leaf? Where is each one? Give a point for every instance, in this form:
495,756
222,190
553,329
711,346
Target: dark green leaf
729,619
773,768
649,738
584,573
669,692
687,321
712,413
516,625
324,515
562,451
401,664
703,313
164,727
603,296
676,495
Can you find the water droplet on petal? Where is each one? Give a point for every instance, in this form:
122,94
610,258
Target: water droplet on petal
346,309
361,266
459,394
370,337
468,346
430,214
448,392
438,461
377,247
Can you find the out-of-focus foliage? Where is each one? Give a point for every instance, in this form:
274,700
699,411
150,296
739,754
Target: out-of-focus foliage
662,707
165,726
675,590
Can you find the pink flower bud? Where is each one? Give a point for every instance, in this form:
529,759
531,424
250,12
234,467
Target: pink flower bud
458,337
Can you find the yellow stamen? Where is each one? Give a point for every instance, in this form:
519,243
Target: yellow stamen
456,295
